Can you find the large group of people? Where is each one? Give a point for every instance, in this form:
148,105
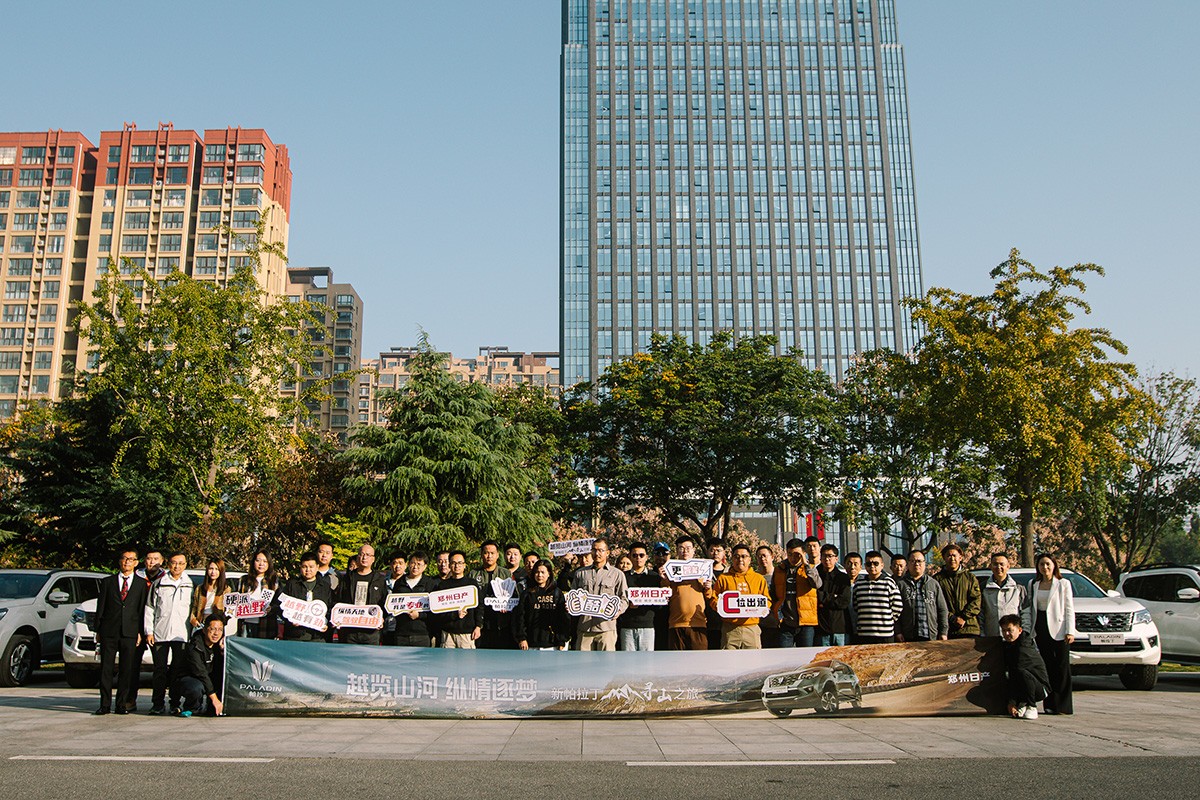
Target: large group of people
814,597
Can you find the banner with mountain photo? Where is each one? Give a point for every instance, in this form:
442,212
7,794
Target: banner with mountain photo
958,677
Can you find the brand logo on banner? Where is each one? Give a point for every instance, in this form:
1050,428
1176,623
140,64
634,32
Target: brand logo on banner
502,598
248,605
576,546
585,604
694,569
303,613
455,599
735,605
261,670
350,616
397,604
650,596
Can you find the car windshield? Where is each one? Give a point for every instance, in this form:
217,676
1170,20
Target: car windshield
1080,586
18,585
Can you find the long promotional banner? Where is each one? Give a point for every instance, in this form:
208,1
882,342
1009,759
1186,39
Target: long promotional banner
263,676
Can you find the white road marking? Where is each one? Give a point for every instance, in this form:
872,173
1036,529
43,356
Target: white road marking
187,760
810,763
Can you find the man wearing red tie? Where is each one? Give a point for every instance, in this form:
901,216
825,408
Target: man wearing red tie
119,620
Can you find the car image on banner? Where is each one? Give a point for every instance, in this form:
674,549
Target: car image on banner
822,685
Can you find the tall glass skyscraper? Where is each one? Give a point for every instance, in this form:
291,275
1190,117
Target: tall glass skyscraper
734,164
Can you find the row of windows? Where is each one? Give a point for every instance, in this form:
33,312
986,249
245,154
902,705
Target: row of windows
26,244
25,266
19,290
12,361
20,313
37,177
34,199
177,198
182,153
9,384
38,155
145,176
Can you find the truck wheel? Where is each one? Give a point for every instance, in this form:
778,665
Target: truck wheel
1140,678
81,677
19,661
827,703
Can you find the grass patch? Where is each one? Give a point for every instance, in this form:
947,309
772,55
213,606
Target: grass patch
1167,667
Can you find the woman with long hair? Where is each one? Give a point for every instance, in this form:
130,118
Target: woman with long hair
1054,630
541,621
209,597
259,578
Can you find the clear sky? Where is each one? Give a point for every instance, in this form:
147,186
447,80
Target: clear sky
424,142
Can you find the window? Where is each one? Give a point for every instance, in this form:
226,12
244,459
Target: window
62,199
8,155
132,243
24,222
11,337
345,299
141,154
247,197
20,266
5,177
317,299
110,198
3,221
137,220
41,385
110,175
49,313
172,220
16,290
58,221
210,197
138,198
214,152
28,200
22,244
10,360
211,175
168,265
250,152
106,220
33,155
42,360
209,220
170,243
248,175
141,176
245,219
179,153
66,155
14,313
62,177
56,244
8,385
206,242
176,175
53,266
206,265
174,198
31,177
4,199
45,336
114,153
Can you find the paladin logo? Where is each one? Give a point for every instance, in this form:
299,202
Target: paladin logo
261,670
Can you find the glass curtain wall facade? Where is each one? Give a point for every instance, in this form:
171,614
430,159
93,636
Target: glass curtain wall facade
734,165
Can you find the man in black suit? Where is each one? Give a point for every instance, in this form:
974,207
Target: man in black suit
119,621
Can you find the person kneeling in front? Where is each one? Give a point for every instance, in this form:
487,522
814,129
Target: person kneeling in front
1024,670
198,678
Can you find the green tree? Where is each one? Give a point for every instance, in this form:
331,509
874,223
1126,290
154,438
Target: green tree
448,470
552,455
1128,502
692,430
897,465
1008,372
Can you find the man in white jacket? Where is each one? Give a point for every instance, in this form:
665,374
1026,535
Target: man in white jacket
167,612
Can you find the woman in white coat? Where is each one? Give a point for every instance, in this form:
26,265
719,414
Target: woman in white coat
1054,630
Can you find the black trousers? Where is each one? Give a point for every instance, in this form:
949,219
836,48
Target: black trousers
166,664
405,640
872,639
1057,656
125,675
358,636
1024,689
495,639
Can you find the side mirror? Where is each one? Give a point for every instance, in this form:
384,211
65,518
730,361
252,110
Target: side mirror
1113,593
1189,595
57,598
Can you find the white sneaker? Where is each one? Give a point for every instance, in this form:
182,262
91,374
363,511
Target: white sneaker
1029,712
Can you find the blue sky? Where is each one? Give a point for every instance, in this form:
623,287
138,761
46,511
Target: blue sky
424,143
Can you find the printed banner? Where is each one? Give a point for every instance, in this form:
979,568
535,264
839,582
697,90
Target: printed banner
651,596
735,605
693,569
454,599
349,616
573,546
961,676
303,613
584,604
397,604
248,605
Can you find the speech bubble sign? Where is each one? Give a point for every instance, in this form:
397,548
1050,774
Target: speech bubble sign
303,613
455,599
735,605
397,603
693,569
650,596
346,615
248,605
585,604
571,546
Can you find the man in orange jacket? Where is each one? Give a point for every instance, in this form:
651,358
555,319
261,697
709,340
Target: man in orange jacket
794,597
739,633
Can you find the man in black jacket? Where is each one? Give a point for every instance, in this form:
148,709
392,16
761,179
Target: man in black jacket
362,587
833,600
1024,670
459,629
308,587
413,628
198,679
120,610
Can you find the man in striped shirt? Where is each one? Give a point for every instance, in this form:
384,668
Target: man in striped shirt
877,604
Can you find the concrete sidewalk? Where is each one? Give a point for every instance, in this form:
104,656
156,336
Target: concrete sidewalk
48,719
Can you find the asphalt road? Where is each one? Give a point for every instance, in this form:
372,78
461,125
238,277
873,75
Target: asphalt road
1026,779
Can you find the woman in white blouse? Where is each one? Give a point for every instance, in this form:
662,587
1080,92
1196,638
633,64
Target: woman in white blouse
1054,630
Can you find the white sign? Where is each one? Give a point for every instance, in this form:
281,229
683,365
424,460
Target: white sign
455,599
304,614
349,616
576,546
248,605
650,596
694,569
502,604
584,604
397,604
735,605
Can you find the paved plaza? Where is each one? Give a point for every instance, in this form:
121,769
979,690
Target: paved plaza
47,721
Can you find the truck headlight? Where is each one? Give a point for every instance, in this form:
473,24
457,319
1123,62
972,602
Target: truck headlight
1142,617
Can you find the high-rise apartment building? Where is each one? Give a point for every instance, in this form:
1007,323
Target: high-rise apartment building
734,164
337,346
151,197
